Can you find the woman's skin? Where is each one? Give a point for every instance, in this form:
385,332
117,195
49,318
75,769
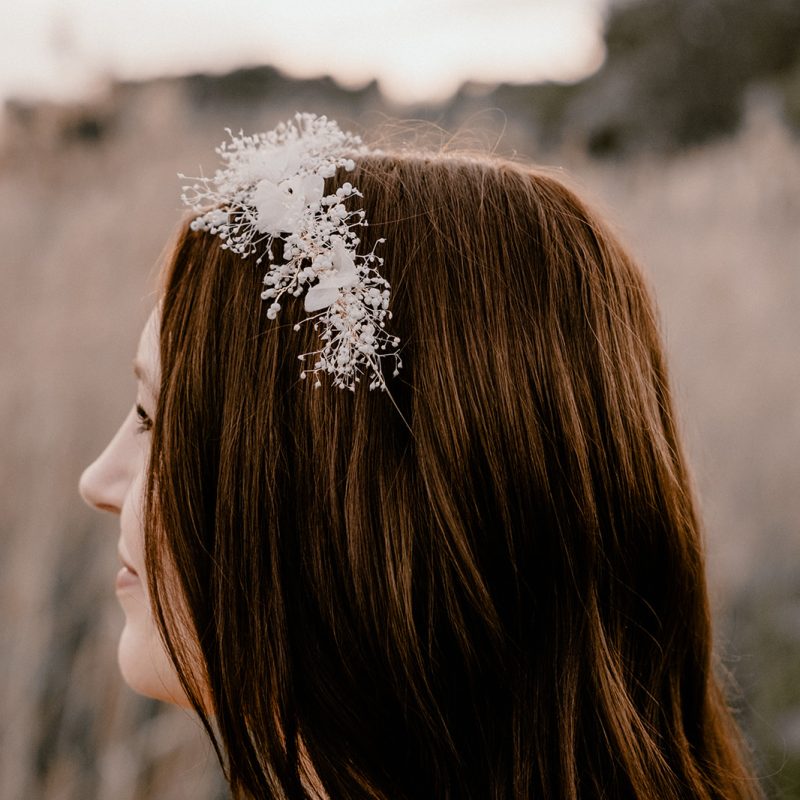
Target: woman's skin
115,482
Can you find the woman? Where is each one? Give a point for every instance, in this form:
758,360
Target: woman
485,581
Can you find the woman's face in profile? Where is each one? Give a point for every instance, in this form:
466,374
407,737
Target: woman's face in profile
115,482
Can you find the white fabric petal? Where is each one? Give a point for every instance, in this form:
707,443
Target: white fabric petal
313,189
319,297
268,203
343,263
329,286
279,208
345,269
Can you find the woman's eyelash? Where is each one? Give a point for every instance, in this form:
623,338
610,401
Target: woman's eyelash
145,423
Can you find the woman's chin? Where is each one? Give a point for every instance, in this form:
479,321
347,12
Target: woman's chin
146,667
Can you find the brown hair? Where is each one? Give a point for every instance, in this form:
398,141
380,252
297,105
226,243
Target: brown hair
504,597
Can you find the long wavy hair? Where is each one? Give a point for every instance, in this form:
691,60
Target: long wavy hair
487,584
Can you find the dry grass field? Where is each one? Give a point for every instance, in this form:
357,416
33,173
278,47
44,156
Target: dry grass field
86,206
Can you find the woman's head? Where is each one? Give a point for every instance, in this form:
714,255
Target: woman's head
488,582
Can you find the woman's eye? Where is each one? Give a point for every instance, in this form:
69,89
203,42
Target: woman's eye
145,423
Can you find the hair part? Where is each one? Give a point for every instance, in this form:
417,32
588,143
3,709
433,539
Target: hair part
489,584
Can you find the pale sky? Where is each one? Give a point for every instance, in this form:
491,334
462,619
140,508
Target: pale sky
417,49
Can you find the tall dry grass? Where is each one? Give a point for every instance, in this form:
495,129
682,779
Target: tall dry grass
82,224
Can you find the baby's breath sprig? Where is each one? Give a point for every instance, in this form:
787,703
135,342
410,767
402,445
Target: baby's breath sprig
271,186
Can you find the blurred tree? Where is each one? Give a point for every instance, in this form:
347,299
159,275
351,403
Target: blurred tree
677,70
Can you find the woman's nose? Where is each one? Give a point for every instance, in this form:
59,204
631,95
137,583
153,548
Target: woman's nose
97,492
104,483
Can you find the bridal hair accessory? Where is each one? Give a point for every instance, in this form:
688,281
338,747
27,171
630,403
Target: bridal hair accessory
271,188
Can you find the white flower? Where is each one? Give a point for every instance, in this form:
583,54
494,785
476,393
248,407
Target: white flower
275,163
342,276
280,207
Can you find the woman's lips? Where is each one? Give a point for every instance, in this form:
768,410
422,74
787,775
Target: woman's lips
127,579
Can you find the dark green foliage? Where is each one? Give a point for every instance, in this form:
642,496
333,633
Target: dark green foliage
259,85
233,88
678,71
789,87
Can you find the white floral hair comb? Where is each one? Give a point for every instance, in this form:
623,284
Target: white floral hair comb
271,187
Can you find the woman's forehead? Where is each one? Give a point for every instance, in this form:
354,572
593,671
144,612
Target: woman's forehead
146,364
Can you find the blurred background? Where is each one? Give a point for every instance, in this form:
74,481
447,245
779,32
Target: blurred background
680,119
